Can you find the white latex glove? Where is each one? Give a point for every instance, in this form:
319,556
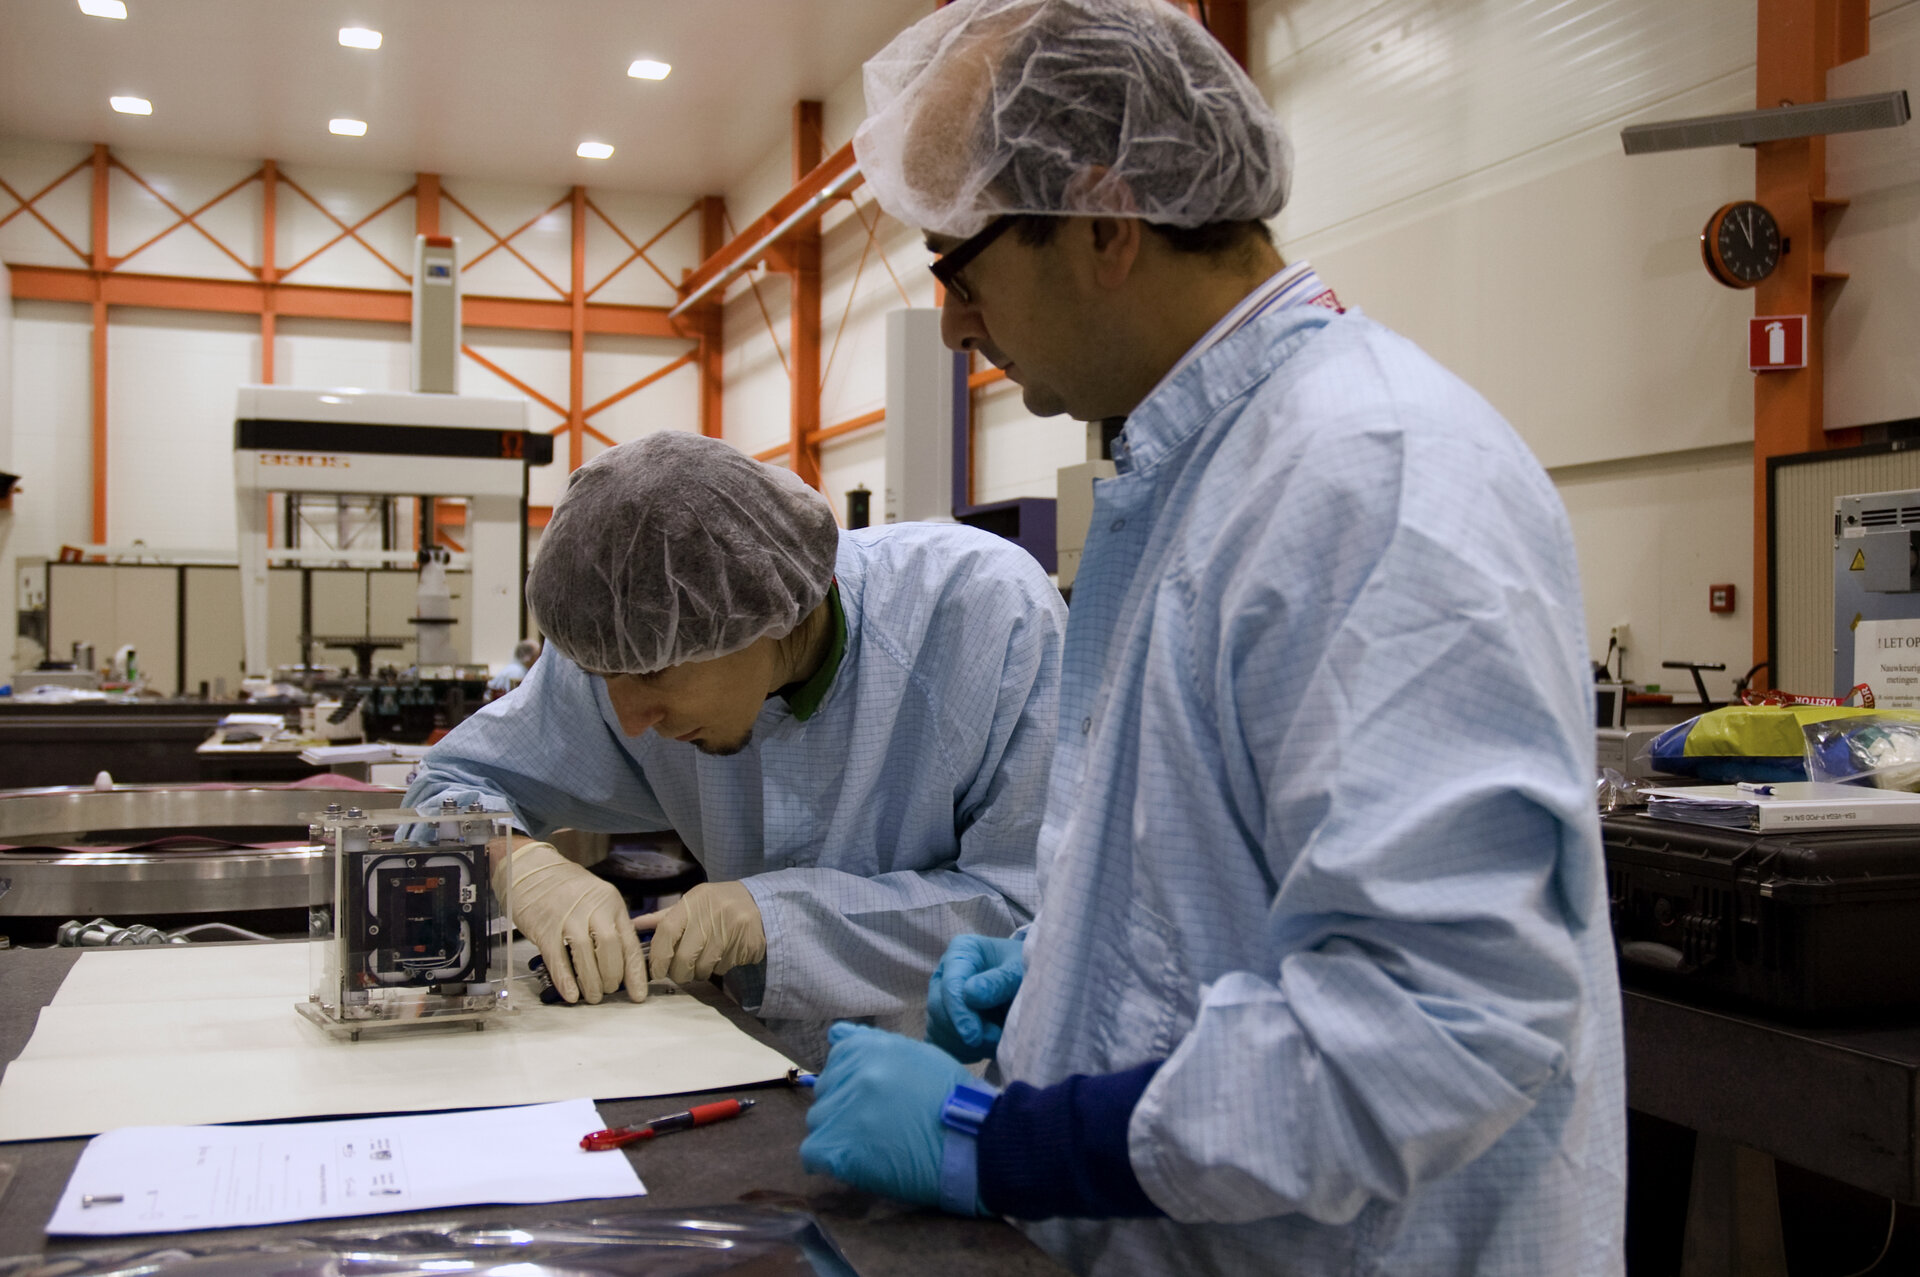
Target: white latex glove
577,921
715,927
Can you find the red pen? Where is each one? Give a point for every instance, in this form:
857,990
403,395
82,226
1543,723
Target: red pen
699,1115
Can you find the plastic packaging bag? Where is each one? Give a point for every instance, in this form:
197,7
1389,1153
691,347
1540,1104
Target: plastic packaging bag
1882,750
1750,742
660,1242
1615,792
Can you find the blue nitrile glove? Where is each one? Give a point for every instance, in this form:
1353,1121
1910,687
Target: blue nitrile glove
968,996
875,1121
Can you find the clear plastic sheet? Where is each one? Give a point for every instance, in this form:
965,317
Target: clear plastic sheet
763,1241
1615,792
1882,751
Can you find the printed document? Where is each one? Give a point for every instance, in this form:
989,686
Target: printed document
159,1179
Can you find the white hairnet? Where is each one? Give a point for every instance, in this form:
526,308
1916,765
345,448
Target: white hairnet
1013,106
678,548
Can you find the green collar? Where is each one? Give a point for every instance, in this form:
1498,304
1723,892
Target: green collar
804,698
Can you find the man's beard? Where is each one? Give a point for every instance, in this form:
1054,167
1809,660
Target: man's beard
724,751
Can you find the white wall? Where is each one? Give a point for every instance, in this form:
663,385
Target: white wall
1460,177
1653,533
52,427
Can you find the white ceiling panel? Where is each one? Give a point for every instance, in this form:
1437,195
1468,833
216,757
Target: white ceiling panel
475,88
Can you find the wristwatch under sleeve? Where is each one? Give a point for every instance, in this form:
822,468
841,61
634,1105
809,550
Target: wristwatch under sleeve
966,1108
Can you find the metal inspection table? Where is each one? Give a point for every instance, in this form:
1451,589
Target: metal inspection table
1841,1102
754,1159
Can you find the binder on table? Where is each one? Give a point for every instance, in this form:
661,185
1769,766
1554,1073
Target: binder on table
1803,804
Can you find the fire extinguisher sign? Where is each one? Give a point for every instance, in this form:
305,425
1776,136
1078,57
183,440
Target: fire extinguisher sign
1775,342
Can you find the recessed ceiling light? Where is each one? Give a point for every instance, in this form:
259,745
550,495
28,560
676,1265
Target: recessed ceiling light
348,128
648,69
359,38
131,106
104,8
593,151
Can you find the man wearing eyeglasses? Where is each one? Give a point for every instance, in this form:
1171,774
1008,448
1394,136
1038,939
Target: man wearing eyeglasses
1321,979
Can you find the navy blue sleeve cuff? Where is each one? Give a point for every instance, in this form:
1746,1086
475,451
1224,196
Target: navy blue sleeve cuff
1062,1150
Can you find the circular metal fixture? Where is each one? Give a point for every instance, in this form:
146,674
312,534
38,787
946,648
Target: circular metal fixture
137,850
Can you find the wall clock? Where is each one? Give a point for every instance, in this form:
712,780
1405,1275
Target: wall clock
1741,244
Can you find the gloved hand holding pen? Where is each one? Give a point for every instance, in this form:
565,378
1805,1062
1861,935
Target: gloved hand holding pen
577,921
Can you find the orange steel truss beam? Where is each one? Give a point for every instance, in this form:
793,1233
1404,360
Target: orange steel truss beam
426,204
803,311
642,384
820,436
806,187
27,205
577,347
1799,41
99,363
521,386
100,282
506,241
269,268
1226,19
314,301
713,237
348,232
638,252
183,218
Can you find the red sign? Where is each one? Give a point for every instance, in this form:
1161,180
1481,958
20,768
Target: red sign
1776,341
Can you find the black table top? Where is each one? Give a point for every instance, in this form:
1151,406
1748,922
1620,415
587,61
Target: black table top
1842,1101
752,1159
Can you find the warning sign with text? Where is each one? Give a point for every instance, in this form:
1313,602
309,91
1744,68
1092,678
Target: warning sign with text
1886,657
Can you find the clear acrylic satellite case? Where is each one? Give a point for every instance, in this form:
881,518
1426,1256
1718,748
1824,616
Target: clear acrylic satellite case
404,927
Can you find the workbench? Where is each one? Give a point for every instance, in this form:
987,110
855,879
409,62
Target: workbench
139,742
1841,1102
754,1159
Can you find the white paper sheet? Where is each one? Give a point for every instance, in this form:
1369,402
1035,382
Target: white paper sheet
158,1179
192,1035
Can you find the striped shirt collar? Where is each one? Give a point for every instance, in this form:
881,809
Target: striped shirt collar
1295,285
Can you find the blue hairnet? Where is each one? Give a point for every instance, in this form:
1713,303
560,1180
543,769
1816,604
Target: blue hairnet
678,548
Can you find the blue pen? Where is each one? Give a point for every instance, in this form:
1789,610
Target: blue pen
1747,787
548,994
551,995
796,1078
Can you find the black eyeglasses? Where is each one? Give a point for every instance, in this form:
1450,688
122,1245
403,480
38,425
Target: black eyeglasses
947,267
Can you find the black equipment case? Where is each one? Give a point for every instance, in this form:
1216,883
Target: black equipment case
1816,924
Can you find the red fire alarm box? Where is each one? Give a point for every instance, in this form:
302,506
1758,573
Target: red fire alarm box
1719,598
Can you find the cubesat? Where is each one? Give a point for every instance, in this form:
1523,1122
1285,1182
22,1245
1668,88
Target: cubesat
405,929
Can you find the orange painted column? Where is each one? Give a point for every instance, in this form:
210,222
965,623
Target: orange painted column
713,237
577,347
1227,21
1799,40
101,264
804,319
426,204
269,269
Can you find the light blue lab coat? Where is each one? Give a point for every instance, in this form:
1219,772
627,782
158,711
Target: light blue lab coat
902,813
1321,830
